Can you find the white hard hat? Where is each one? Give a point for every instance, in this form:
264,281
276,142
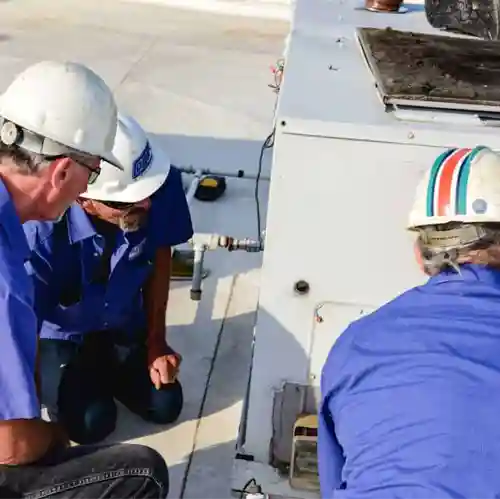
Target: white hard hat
145,167
463,185
59,106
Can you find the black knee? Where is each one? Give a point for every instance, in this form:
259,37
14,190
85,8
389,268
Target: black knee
135,390
165,405
89,423
148,458
148,466
86,406
134,471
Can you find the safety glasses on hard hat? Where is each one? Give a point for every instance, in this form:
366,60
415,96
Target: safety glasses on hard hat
94,172
87,161
92,164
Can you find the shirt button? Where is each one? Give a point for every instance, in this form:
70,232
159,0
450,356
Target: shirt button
106,305
106,324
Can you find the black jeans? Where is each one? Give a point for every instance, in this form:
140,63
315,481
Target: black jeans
81,381
116,471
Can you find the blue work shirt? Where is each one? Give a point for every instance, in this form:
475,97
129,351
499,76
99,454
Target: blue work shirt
18,332
65,256
411,395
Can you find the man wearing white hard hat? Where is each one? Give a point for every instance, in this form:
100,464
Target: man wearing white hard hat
103,275
409,393
57,123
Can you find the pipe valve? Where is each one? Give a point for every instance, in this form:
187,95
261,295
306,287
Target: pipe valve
205,242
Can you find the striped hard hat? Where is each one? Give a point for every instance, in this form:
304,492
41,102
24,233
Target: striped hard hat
463,185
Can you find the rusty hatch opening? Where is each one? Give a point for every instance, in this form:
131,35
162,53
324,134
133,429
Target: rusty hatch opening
433,70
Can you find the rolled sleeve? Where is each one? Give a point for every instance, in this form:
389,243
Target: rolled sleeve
171,222
18,349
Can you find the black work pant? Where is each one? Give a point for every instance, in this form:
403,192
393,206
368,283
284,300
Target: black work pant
80,382
84,472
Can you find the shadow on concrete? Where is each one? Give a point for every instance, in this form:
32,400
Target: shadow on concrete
228,155
226,359
209,473
196,390
205,473
234,214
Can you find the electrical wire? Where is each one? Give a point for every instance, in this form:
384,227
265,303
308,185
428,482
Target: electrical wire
250,487
268,144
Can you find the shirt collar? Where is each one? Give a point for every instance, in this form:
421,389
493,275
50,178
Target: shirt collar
469,273
79,225
11,222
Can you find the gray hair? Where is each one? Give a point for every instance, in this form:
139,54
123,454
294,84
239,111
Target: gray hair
25,162
454,244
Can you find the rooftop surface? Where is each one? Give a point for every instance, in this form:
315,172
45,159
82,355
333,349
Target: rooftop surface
198,83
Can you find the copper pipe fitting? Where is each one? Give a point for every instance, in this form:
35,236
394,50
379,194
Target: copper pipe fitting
383,5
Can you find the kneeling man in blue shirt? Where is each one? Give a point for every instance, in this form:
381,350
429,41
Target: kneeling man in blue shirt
410,405
102,277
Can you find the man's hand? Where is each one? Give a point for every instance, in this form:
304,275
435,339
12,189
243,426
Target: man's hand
164,365
25,441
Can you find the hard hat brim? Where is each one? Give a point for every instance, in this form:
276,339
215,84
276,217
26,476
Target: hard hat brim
143,187
112,160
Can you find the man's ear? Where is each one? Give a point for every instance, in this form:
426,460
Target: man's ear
60,172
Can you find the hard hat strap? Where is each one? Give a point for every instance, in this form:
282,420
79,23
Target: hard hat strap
447,247
457,237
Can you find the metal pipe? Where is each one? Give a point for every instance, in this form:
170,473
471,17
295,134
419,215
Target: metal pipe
199,255
214,240
189,170
205,242
192,188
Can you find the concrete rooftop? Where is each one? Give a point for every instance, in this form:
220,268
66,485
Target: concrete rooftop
198,83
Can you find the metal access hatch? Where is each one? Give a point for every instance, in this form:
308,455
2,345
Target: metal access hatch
433,71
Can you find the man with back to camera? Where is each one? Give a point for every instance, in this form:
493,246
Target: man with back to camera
409,406
102,276
57,122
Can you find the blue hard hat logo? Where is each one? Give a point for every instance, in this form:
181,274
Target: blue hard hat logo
143,162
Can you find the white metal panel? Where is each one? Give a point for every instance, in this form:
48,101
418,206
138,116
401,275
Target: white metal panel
331,319
344,174
337,219
326,78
